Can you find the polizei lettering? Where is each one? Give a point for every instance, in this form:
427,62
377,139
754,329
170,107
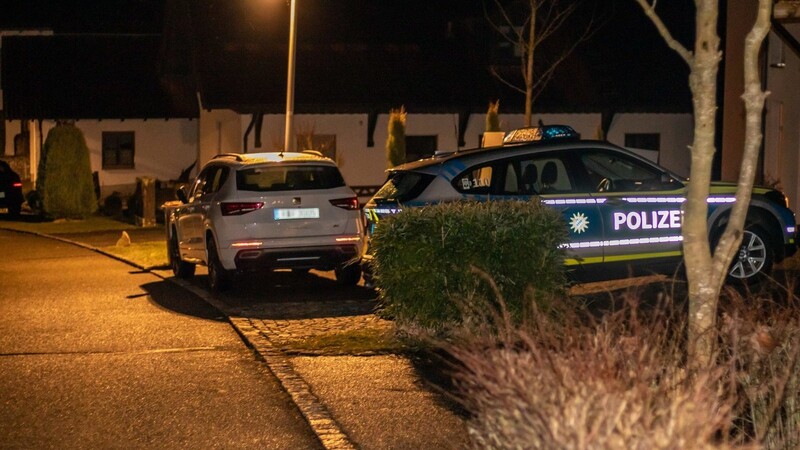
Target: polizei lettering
647,220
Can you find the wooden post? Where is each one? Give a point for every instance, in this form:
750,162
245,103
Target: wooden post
147,188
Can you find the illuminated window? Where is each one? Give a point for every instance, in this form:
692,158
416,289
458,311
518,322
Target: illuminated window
118,149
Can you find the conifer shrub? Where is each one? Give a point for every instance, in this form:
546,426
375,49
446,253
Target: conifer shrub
67,189
396,140
428,260
493,117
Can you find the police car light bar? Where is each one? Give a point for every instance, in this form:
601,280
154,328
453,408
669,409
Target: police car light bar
543,133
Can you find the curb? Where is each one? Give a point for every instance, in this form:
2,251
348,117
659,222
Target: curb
322,423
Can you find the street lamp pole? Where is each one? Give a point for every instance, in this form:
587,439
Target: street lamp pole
287,141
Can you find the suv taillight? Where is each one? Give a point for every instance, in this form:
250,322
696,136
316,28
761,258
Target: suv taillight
239,208
346,203
17,185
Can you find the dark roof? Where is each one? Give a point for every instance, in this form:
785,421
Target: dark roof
84,77
83,16
354,56
429,55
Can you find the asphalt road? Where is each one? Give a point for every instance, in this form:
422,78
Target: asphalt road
96,355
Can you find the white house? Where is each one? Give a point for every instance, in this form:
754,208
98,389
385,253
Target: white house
193,95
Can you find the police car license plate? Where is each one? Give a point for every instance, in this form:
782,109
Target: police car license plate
295,213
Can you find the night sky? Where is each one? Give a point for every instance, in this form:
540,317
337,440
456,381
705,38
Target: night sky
625,63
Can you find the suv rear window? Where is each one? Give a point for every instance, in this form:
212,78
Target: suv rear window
404,186
288,178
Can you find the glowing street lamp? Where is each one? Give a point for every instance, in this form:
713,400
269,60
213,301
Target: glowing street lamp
287,141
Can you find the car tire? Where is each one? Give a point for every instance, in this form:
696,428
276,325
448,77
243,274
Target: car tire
219,278
180,268
753,261
348,275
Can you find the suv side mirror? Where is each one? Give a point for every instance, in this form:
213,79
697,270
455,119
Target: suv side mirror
181,193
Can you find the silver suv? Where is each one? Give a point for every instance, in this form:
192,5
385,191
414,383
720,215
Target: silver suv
262,211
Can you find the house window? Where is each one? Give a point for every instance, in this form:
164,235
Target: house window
644,141
323,143
118,149
418,147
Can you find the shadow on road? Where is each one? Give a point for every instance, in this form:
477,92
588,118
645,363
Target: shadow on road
170,297
288,295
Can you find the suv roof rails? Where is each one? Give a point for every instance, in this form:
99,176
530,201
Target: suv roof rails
235,156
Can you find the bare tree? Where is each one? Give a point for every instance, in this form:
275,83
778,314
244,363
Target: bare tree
526,25
706,272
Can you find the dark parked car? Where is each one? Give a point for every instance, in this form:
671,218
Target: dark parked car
623,212
10,190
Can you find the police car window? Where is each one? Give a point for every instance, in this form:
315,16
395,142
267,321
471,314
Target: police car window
475,181
545,176
403,186
511,185
609,172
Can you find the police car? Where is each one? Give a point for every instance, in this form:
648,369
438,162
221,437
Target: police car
623,212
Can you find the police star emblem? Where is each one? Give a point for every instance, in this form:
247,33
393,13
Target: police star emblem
578,223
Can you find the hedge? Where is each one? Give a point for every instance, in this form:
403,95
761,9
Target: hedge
423,258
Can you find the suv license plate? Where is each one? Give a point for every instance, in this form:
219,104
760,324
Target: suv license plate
295,213
2,194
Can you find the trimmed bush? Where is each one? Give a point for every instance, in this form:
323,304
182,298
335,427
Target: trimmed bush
426,258
67,188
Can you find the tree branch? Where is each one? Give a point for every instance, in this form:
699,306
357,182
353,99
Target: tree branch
553,19
517,35
497,75
650,11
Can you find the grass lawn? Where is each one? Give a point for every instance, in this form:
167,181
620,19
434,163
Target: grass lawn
90,224
148,254
350,342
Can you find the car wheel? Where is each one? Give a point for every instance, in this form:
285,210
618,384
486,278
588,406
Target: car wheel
754,258
180,268
219,278
349,275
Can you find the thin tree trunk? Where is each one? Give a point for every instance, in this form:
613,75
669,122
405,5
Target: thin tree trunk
531,47
704,284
